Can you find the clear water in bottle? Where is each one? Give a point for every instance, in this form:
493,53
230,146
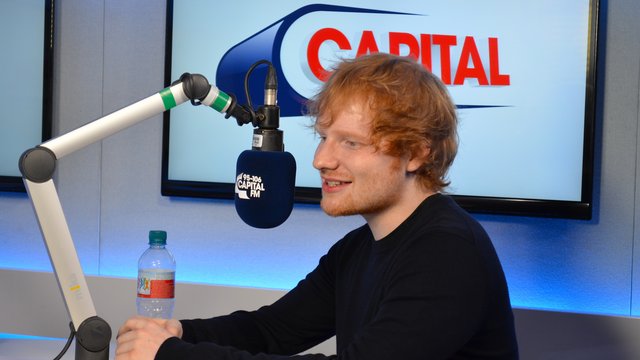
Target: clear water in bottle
156,278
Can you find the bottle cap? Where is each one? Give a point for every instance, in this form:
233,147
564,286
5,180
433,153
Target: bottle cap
157,237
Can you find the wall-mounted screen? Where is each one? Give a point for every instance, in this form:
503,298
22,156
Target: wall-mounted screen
26,65
522,75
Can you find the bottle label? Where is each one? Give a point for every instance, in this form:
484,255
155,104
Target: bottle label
156,284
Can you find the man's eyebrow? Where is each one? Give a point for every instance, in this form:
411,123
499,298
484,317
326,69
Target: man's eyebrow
319,126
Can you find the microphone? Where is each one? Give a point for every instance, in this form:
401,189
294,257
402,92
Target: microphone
265,181
266,174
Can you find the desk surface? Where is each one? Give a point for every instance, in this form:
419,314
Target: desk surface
24,347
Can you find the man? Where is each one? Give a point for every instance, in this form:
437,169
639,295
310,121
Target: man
421,280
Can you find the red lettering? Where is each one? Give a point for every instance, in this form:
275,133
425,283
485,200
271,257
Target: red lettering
445,42
467,71
396,39
494,67
367,44
469,66
425,47
313,50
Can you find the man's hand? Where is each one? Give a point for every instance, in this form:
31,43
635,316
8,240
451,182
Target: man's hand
140,338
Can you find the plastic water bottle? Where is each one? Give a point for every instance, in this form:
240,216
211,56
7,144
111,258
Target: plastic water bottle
156,278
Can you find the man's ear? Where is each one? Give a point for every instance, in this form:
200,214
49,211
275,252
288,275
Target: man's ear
419,157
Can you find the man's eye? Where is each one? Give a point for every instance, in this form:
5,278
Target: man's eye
352,144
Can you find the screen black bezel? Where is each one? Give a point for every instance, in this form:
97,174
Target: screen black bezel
15,183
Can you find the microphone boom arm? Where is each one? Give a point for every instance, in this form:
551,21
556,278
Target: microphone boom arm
37,166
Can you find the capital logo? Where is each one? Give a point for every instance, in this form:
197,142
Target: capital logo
304,45
249,186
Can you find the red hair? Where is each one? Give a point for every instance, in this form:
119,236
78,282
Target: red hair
409,108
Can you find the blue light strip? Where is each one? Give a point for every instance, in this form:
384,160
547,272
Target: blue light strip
6,336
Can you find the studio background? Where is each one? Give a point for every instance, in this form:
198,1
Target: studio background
109,54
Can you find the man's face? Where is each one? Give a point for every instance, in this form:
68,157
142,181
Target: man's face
356,178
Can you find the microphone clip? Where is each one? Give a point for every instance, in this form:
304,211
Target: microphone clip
266,119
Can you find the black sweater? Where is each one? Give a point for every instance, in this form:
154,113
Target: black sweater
432,289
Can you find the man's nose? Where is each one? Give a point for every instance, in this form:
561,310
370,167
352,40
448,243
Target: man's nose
324,157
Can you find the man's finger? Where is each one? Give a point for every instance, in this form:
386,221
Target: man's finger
133,323
174,327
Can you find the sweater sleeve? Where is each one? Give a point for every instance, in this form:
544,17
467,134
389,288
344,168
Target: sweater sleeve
301,319
174,348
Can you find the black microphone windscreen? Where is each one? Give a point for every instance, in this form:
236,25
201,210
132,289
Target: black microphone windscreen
265,184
